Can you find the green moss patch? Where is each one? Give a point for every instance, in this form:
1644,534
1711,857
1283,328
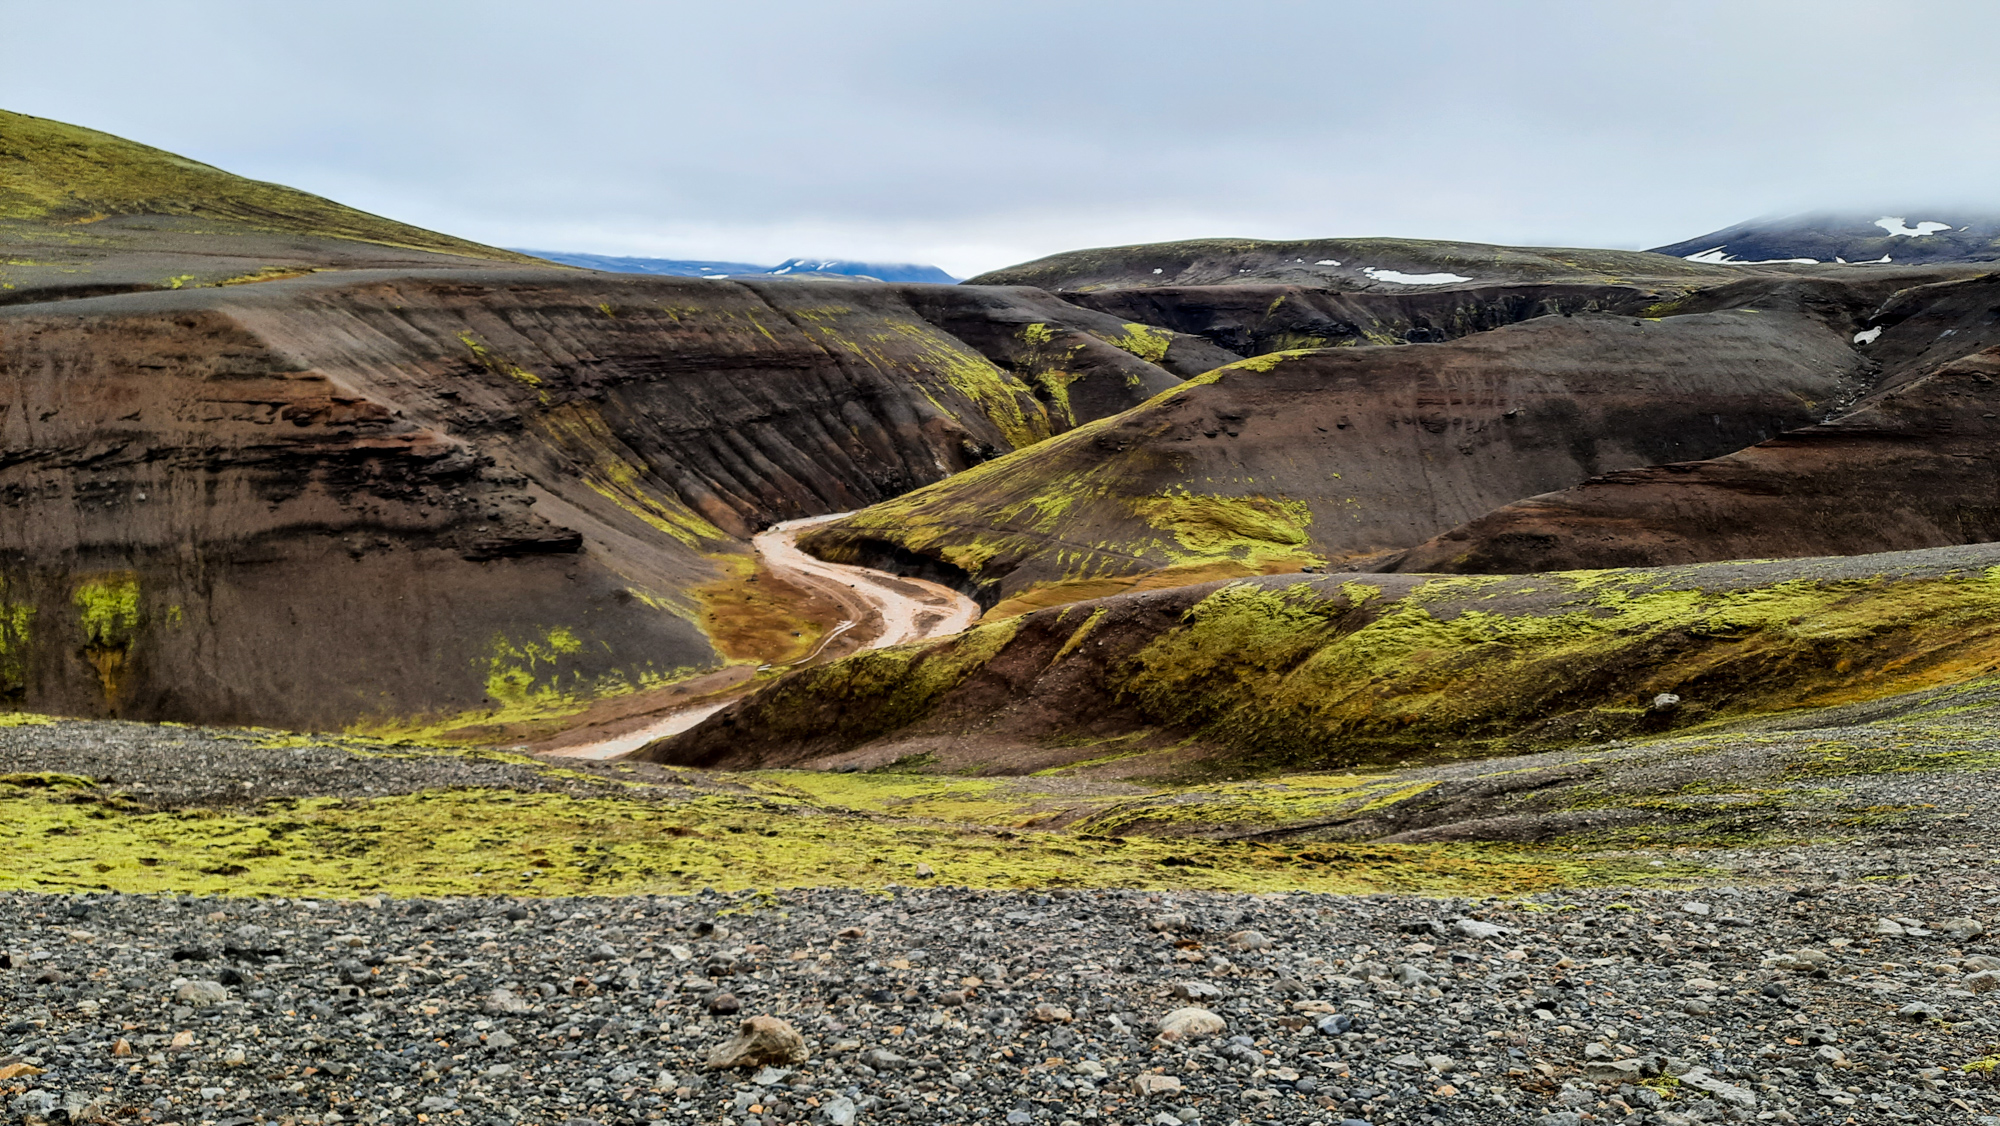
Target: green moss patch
465,842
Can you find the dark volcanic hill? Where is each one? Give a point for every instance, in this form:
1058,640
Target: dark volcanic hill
1907,238
1362,265
1340,456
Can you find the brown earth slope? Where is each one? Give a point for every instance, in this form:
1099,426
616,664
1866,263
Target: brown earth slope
392,497
1332,671
1341,456
1912,465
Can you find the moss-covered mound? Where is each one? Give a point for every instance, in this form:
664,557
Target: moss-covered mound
1326,671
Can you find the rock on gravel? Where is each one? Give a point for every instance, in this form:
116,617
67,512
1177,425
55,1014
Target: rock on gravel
1191,1023
760,1040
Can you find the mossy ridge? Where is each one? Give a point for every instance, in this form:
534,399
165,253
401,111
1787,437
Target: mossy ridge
1005,401
1165,263
1068,592
986,523
940,362
488,842
954,511
54,172
1317,676
1317,672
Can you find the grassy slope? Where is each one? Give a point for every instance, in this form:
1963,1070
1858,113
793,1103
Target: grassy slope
60,173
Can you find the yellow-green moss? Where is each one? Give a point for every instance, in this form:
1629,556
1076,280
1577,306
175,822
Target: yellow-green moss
1242,528
514,666
900,684
1144,341
108,612
464,842
1296,670
1001,398
1076,639
495,363
16,645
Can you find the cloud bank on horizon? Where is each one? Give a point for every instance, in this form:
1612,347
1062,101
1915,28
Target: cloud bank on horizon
978,136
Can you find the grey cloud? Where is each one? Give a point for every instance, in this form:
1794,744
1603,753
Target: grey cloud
975,135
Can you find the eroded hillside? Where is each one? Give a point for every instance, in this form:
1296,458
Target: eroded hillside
1910,465
394,497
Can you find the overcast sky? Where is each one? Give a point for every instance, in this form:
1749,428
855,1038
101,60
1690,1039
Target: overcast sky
974,135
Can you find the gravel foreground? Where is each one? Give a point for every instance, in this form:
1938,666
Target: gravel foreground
1870,1002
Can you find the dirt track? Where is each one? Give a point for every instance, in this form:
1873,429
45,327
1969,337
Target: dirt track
882,609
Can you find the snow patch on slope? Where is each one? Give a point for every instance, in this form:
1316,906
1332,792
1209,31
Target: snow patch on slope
1401,278
1894,224
1720,257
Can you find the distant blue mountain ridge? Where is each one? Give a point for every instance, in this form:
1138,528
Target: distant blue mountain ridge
687,268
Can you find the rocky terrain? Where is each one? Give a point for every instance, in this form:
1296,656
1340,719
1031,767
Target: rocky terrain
1803,1000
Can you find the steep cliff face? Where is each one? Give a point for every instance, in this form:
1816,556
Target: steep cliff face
1911,465
1911,468
1340,456
378,496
